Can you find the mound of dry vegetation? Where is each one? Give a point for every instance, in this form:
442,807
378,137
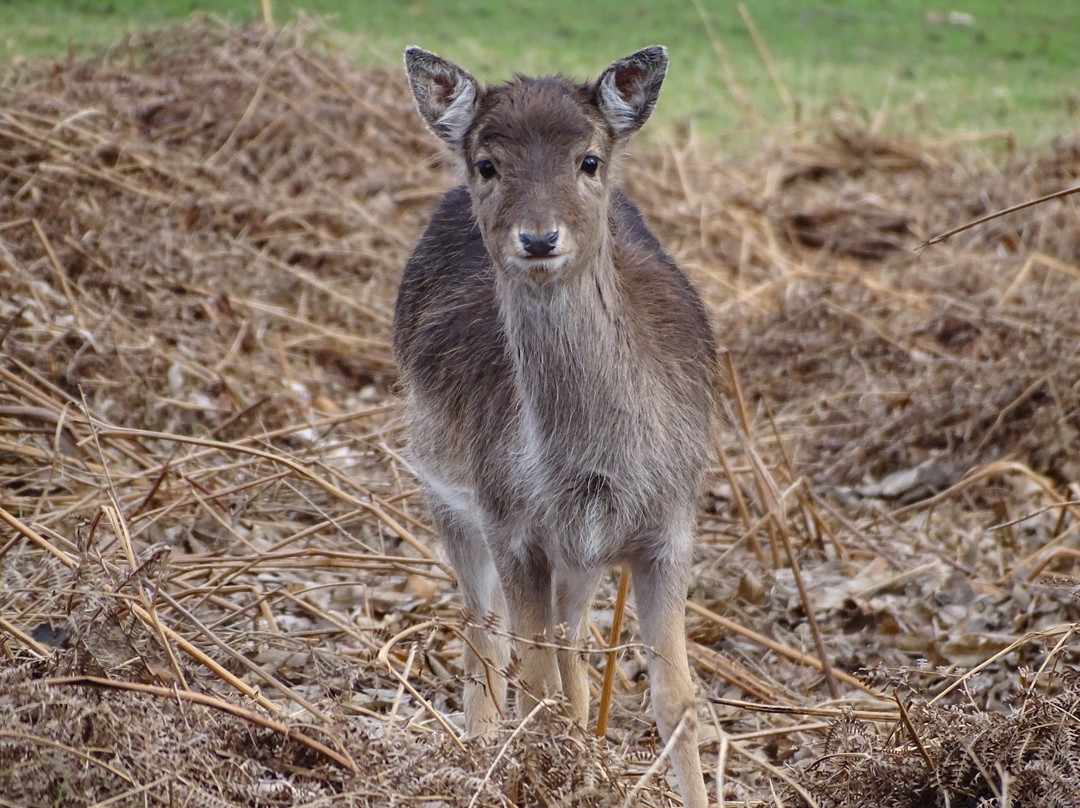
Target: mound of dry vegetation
217,582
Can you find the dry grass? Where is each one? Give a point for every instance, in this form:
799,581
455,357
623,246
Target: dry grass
218,583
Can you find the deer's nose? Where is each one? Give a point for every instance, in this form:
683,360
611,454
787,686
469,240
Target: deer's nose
537,246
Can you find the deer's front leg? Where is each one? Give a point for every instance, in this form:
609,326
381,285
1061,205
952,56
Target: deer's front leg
527,586
486,655
660,593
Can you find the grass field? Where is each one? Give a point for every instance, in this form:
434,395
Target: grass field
993,65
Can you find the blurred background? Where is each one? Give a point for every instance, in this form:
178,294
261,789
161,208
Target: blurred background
737,68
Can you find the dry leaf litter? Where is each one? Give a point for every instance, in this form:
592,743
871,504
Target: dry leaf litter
219,586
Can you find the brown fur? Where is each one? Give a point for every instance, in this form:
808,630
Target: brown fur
558,400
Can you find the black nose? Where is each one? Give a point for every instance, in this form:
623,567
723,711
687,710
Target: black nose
538,246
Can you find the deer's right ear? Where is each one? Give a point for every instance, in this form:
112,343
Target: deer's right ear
446,96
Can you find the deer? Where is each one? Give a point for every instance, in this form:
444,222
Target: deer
557,372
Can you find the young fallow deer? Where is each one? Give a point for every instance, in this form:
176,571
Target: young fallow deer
557,370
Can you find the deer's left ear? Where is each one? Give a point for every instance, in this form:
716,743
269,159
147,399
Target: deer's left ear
627,91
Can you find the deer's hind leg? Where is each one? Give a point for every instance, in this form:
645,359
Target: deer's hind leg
573,597
487,653
526,578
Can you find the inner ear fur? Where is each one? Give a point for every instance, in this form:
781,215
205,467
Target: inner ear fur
626,92
447,97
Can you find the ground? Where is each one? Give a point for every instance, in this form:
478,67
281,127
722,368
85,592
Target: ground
219,586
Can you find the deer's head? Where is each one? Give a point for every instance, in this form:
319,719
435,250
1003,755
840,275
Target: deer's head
540,155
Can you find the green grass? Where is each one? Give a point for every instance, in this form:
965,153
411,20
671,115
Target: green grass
1014,69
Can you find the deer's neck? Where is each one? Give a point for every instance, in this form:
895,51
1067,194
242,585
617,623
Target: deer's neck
578,372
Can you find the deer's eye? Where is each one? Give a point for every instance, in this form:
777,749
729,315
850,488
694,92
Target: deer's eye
486,169
590,165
